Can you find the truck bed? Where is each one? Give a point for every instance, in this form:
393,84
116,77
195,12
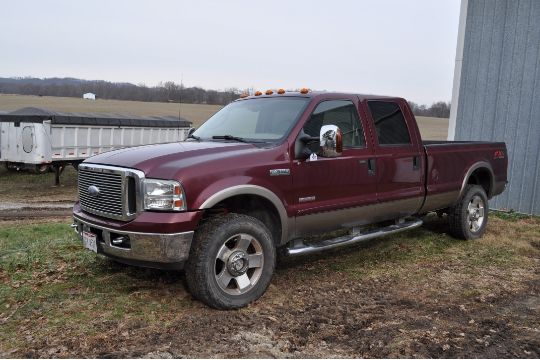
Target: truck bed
450,162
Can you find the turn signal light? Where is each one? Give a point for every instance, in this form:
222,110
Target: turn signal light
258,93
281,91
304,91
269,92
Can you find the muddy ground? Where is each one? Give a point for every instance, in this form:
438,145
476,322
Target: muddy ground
349,303
336,317
27,211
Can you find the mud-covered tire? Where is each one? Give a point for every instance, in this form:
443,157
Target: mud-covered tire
217,253
469,217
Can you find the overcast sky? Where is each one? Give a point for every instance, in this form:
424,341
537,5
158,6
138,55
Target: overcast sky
402,48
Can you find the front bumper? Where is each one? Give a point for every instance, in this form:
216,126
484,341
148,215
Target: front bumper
168,250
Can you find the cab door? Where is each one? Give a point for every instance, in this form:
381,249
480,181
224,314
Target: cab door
330,193
399,160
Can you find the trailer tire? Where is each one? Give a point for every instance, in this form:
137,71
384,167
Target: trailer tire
468,218
41,169
231,261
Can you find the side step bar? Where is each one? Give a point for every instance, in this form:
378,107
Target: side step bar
300,248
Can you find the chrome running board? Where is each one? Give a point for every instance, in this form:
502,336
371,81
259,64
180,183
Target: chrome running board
298,247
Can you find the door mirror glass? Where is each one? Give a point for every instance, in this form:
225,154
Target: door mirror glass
331,141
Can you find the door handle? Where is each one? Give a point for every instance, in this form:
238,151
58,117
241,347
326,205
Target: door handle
372,167
416,162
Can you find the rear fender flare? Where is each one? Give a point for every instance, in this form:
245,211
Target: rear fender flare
476,166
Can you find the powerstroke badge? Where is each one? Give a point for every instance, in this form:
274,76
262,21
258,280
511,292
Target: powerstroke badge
280,172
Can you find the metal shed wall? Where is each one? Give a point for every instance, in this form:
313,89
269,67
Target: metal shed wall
497,90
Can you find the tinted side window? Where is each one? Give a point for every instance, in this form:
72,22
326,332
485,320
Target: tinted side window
389,123
341,113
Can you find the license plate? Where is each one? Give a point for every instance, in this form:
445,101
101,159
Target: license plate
89,241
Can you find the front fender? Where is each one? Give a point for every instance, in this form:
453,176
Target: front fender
243,185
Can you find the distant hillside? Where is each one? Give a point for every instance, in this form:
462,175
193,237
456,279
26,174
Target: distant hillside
164,92
71,87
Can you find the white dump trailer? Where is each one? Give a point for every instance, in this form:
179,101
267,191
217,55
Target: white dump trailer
35,138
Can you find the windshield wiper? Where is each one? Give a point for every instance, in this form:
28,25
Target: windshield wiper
229,137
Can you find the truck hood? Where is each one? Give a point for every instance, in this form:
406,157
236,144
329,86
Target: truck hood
166,160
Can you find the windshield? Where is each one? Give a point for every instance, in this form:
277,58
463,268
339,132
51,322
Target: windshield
257,120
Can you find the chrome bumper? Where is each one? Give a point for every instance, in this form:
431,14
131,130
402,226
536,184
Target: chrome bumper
143,247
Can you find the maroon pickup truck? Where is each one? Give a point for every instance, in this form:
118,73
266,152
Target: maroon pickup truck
268,171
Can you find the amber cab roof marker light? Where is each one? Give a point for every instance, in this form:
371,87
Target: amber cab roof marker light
281,91
269,92
244,95
258,93
304,91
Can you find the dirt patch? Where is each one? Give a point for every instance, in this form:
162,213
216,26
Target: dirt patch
32,214
334,317
37,210
419,294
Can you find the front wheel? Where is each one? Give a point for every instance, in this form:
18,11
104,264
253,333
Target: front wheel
468,218
231,261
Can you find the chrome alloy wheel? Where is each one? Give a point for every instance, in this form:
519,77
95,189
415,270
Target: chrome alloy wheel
475,213
239,264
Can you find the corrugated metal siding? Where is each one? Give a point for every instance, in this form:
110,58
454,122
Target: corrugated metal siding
499,92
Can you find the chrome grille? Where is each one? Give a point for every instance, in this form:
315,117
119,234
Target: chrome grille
112,199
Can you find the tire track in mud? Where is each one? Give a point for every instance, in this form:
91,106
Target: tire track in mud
28,210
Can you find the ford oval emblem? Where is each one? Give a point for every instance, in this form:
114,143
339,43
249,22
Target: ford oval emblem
93,191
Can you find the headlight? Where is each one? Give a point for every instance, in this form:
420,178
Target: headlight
166,195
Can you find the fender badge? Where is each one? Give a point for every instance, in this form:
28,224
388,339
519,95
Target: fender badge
280,172
313,157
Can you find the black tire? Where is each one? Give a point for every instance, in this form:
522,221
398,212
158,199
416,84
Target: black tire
461,217
41,169
224,235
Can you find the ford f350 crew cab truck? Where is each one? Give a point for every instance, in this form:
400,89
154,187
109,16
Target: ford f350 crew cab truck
269,170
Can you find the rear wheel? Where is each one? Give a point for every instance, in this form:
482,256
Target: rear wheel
468,218
231,261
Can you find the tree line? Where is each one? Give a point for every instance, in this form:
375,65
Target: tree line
168,91
164,92
439,109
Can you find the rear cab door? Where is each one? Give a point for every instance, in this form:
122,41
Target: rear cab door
399,162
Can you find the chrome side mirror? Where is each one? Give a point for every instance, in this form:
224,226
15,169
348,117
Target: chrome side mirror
331,141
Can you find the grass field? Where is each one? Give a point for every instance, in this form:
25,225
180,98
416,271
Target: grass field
420,293
430,128
192,112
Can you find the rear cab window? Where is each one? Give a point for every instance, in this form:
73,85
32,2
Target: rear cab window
390,124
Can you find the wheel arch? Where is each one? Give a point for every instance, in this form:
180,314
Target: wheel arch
480,173
254,192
